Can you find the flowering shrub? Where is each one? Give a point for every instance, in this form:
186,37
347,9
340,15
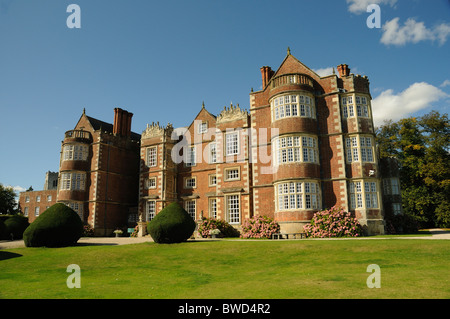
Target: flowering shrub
135,232
206,225
333,222
259,227
88,231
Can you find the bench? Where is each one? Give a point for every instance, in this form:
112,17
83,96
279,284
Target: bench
286,235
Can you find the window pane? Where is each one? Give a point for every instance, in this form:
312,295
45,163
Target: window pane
212,153
233,209
151,156
151,205
232,144
190,208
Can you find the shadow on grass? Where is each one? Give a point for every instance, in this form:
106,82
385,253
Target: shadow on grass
8,255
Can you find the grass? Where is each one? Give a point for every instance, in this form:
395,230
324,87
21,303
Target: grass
411,268
419,233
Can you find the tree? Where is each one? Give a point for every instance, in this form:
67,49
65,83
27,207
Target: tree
422,146
8,205
436,167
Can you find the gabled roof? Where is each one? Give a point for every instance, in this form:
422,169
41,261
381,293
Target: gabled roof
203,109
290,59
104,126
97,124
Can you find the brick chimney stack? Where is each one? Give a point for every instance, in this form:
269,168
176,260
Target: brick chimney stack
343,70
266,73
122,122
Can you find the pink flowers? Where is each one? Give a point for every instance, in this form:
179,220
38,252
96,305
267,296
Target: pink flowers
334,222
208,224
259,227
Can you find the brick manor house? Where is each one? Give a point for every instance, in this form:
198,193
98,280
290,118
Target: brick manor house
307,143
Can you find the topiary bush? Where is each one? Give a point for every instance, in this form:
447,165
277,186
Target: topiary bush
333,222
16,225
208,224
259,227
171,225
58,226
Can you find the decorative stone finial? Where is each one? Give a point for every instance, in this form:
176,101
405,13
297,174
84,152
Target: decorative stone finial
156,130
203,104
288,51
234,112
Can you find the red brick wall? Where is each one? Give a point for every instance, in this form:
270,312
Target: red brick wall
32,202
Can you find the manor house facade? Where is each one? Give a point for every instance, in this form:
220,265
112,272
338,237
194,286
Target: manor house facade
306,143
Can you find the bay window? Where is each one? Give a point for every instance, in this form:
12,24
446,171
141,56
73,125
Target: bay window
359,148
363,194
75,152
298,195
296,148
73,181
353,106
292,106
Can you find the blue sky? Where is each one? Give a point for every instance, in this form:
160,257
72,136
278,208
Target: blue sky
161,59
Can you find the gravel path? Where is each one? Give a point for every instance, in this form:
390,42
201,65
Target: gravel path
436,234
84,241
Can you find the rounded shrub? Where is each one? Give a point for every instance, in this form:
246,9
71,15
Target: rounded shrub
259,227
58,226
16,225
171,225
333,222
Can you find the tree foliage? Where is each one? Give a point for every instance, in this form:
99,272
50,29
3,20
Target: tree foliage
422,146
8,205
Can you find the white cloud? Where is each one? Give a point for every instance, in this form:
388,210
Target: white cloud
360,6
442,32
413,31
19,189
418,96
324,71
445,83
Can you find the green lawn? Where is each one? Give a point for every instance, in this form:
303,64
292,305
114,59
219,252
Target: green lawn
410,268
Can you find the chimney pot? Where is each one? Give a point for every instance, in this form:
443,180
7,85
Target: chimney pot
117,126
266,73
343,70
122,122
